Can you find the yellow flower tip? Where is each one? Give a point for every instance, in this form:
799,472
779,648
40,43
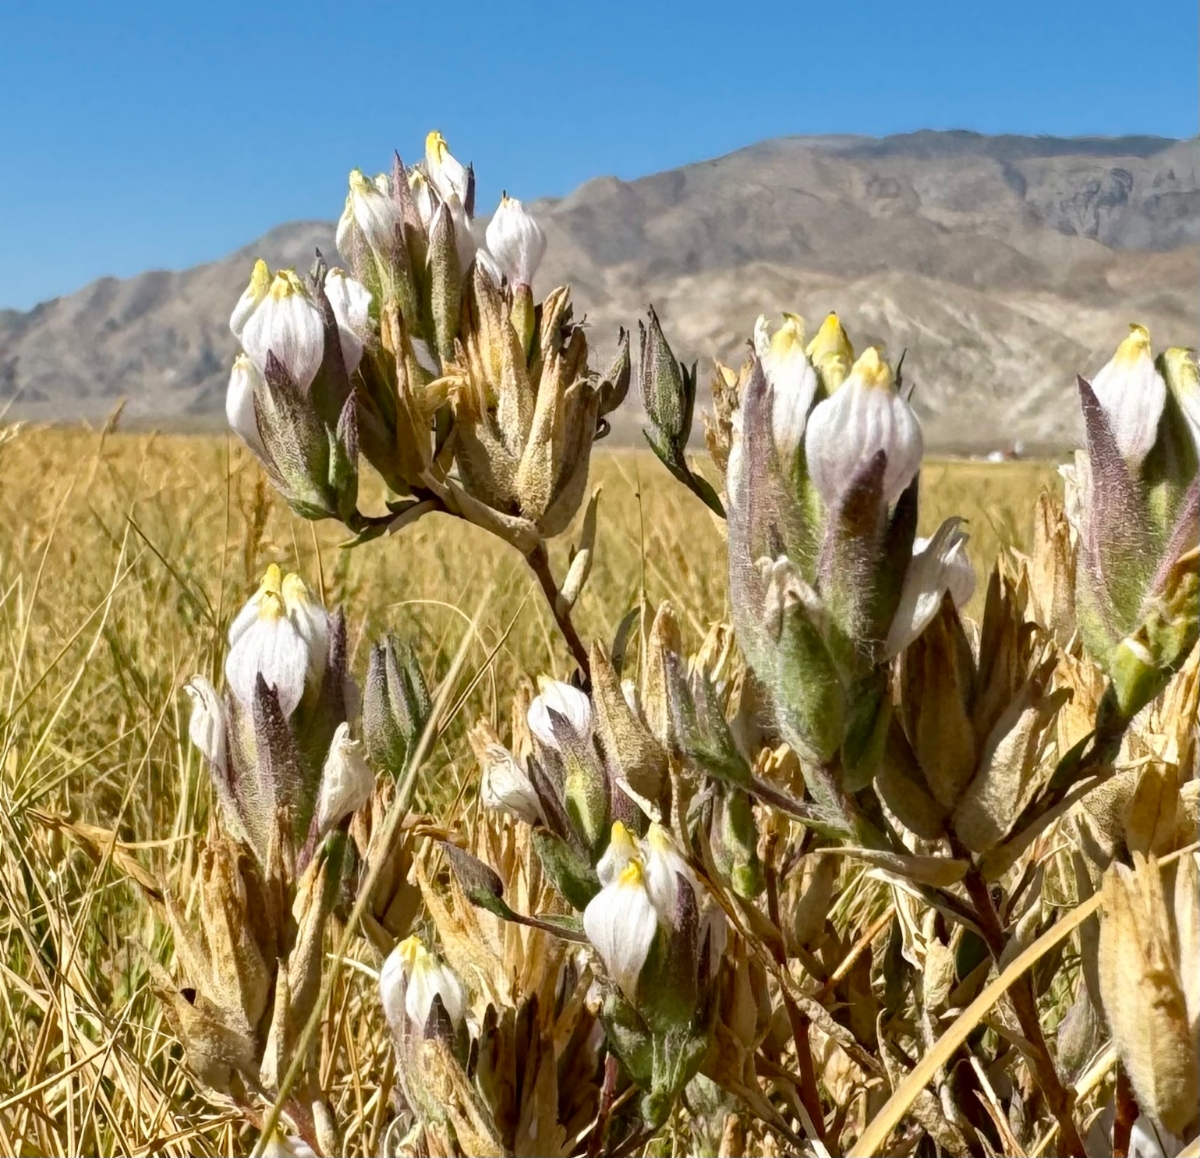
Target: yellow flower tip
260,278
623,841
359,182
435,146
411,951
632,875
286,284
295,592
872,370
1136,346
417,179
789,337
831,338
272,581
659,838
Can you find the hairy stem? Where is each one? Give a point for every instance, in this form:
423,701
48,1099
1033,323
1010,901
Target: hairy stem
539,562
1060,1100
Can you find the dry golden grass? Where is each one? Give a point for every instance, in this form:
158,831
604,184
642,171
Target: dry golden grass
122,559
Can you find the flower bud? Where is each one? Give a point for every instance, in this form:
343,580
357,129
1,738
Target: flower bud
516,241
281,634
285,322
865,416
252,297
410,980
396,705
351,304
504,785
831,354
668,391
370,219
793,384
346,781
1132,393
424,198
939,566
1178,366
239,403
446,172
206,728
560,714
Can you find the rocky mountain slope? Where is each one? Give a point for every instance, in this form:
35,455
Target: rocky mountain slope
1003,265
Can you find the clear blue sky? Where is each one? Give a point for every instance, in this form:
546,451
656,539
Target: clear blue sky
138,135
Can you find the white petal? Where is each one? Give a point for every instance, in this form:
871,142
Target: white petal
430,979
762,336
288,325
393,980
425,358
504,786
490,266
272,647
864,417
239,403
664,865
516,240
311,621
566,701
351,303
375,215
464,239
423,197
621,922
446,172
1133,394
794,385
252,296
938,566
346,781
207,724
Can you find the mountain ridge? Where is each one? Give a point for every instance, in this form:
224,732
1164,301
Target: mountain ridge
1002,264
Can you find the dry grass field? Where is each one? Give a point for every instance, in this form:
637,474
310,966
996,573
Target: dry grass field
122,560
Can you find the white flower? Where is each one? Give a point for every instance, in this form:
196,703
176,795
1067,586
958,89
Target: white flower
516,241
351,304
239,403
281,634
371,215
793,384
939,565
207,724
346,781
505,787
410,979
1132,393
565,701
445,172
286,323
620,922
252,297
846,431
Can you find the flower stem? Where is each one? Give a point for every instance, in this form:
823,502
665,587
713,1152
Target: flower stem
539,562
1058,1097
